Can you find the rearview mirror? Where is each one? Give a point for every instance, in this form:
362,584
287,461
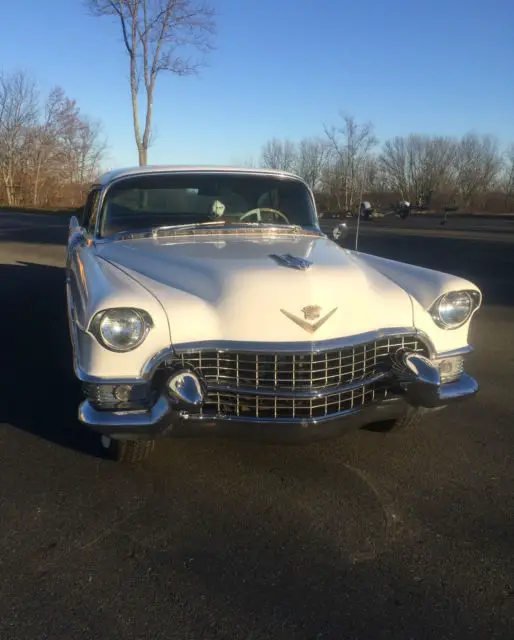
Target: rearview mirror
340,232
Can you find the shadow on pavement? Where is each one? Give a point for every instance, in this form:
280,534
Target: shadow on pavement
39,393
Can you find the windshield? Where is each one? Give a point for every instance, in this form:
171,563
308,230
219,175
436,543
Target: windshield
157,200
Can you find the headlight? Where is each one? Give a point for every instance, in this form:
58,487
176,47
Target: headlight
121,329
454,309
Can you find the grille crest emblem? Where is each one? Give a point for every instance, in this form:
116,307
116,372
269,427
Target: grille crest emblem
312,320
311,312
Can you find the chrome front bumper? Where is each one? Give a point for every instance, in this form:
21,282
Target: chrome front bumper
164,420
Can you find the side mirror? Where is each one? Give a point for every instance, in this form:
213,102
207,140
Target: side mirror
340,232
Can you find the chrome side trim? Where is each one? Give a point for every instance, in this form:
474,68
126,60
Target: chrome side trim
72,330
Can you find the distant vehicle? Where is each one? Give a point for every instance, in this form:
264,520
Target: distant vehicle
208,300
366,209
404,208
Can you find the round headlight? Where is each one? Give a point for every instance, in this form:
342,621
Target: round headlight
122,329
453,309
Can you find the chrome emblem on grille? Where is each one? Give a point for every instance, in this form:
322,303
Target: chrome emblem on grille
310,313
287,260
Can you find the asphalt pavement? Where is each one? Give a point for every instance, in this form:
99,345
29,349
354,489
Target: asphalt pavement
372,535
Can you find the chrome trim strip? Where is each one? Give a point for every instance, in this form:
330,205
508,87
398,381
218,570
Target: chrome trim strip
462,351
278,421
279,393
299,347
87,414
235,228
72,330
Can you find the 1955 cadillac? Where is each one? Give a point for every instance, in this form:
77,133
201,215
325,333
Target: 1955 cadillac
208,301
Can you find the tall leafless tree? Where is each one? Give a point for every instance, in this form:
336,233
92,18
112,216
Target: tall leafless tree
478,165
508,173
156,34
18,113
312,157
279,154
417,166
351,144
47,151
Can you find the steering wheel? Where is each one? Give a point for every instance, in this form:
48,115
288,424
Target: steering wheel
257,213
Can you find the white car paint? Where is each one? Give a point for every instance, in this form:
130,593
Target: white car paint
227,287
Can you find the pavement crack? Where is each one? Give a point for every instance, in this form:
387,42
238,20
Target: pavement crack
395,525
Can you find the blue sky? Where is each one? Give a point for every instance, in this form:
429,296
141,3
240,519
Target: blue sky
283,68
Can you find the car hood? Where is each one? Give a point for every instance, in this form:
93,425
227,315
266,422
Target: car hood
230,288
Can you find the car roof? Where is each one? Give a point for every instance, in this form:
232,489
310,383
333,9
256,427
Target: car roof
110,176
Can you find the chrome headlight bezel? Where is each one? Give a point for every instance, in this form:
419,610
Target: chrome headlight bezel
474,298
95,327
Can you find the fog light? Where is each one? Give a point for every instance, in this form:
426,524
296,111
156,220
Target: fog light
123,392
186,387
451,368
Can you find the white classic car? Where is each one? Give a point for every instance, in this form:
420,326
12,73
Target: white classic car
208,300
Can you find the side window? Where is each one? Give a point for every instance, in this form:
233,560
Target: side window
91,210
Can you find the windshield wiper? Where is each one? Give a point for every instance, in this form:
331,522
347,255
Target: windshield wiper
223,223
155,232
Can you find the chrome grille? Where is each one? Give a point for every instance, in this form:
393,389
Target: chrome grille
294,385
297,371
277,407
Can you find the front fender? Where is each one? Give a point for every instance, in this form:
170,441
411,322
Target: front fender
95,285
425,286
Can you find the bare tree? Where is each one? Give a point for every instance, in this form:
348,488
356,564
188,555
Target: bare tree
417,166
47,152
312,158
508,173
351,144
155,32
478,165
18,113
279,154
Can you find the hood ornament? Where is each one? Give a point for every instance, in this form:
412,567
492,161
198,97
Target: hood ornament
312,321
287,260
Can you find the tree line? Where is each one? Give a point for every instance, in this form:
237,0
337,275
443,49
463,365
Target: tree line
344,165
49,150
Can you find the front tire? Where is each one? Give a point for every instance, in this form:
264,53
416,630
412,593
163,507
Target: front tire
127,451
